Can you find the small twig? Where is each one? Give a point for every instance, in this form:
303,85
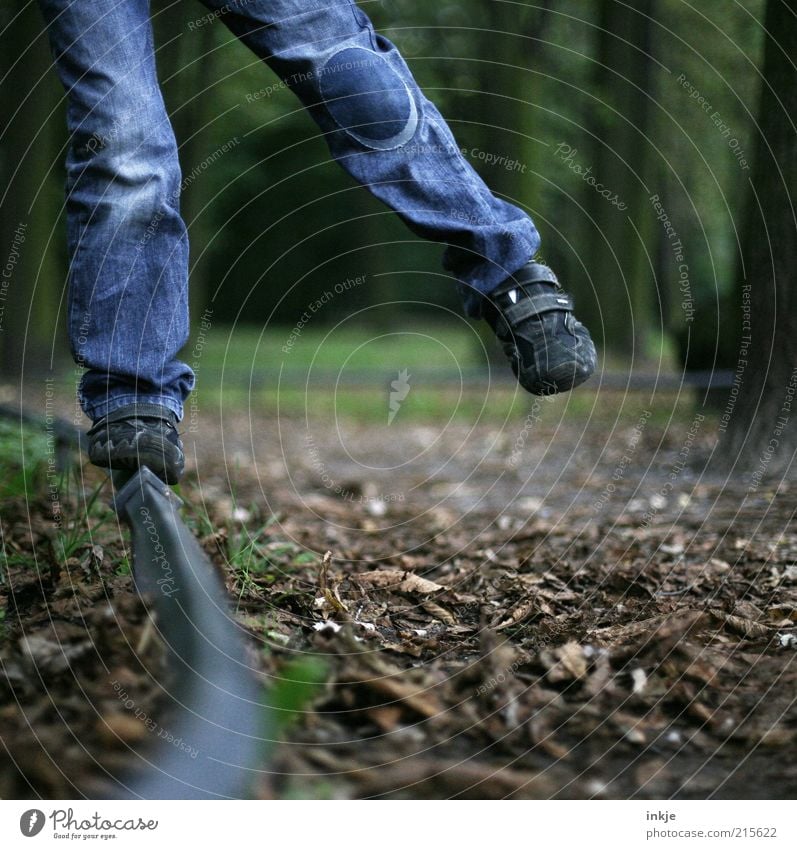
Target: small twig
665,593
331,595
146,634
322,579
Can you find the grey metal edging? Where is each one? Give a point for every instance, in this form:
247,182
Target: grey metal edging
218,714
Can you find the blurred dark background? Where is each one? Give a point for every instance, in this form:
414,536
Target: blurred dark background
557,88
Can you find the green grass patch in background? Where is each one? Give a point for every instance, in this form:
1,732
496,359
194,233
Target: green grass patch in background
347,372
24,454
292,692
245,349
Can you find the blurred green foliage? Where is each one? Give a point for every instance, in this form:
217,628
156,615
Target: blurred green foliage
274,223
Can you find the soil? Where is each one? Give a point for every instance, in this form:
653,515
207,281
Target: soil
541,610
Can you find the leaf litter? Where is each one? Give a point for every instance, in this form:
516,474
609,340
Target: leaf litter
521,643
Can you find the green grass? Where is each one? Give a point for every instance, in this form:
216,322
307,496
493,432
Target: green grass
253,554
346,372
246,349
294,689
124,567
26,461
296,686
25,457
243,557
196,518
479,405
29,475
75,533
343,371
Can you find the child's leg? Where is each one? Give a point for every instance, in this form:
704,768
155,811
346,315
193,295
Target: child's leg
128,308
385,133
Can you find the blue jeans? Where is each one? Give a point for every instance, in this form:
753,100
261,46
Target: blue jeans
128,279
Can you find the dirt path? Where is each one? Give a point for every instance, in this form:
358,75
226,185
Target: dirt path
536,611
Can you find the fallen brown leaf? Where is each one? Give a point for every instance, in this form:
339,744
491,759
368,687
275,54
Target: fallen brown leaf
399,580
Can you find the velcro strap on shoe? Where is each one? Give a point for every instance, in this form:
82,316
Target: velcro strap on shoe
535,272
537,303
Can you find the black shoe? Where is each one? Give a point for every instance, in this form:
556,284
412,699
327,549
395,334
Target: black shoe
138,435
549,350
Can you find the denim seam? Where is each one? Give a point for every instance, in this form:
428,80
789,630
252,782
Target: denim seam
71,292
362,21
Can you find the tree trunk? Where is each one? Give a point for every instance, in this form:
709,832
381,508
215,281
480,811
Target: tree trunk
508,109
620,161
508,88
186,71
758,426
32,252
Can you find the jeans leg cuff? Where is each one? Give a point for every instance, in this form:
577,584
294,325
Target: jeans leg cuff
99,410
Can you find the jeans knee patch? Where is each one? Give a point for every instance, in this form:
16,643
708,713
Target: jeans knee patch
368,99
